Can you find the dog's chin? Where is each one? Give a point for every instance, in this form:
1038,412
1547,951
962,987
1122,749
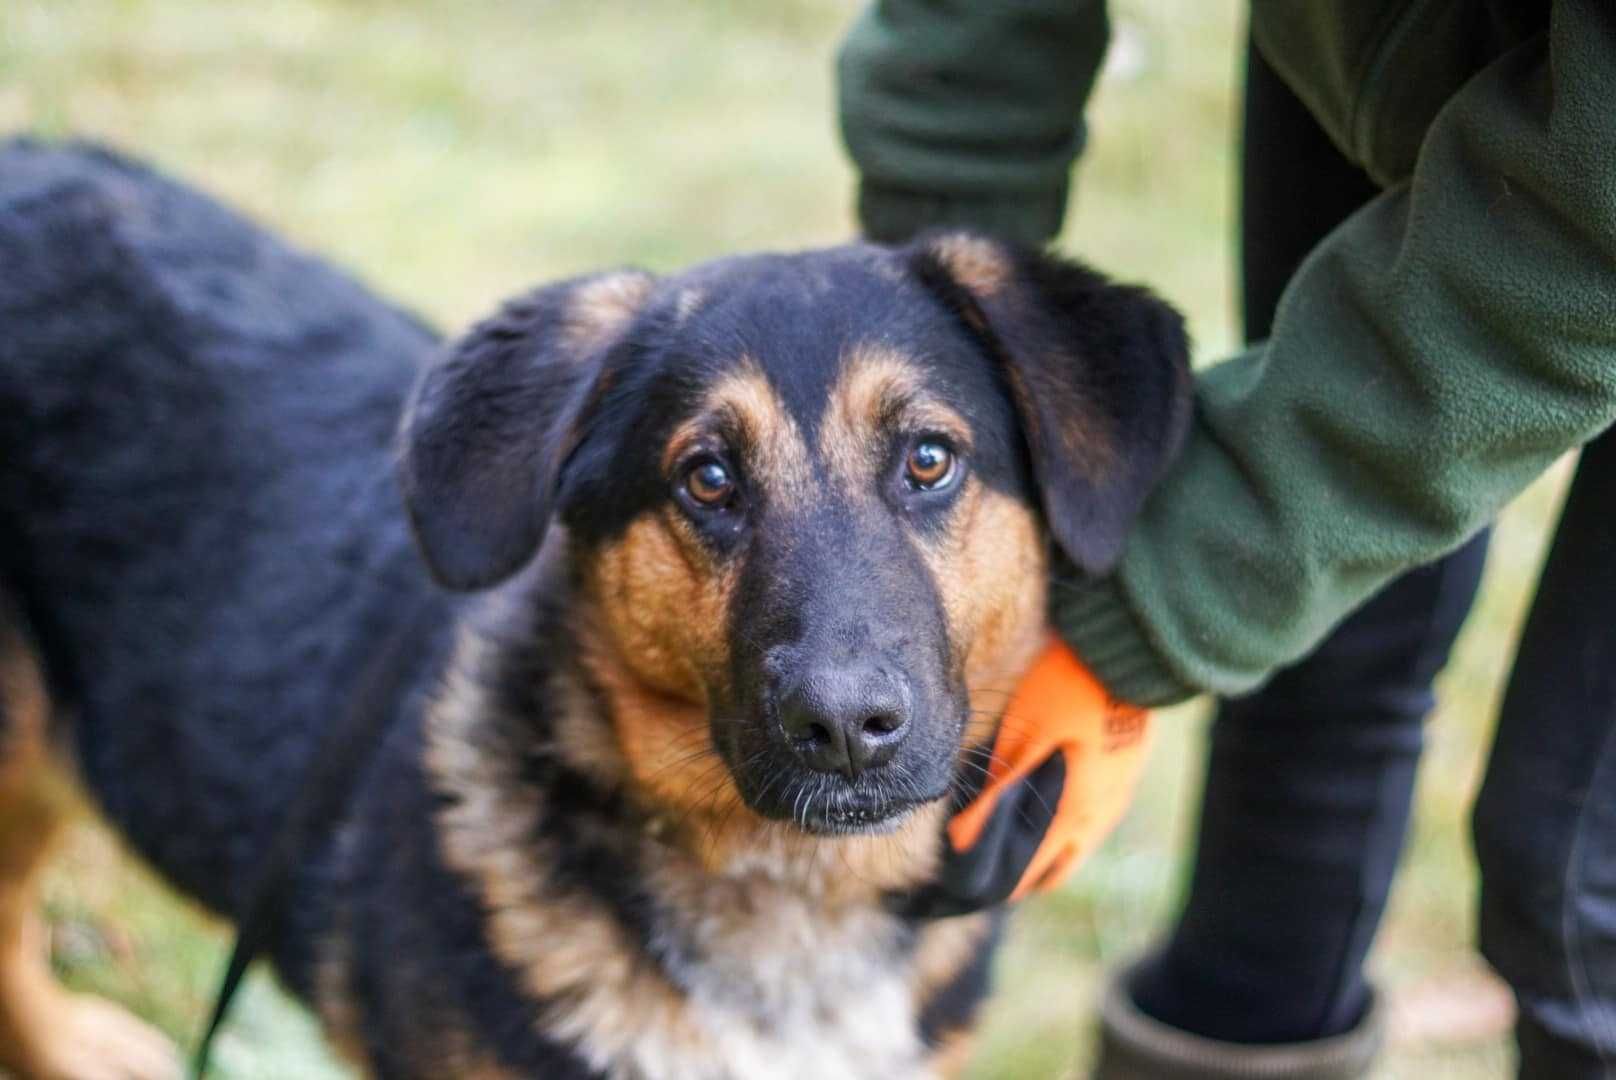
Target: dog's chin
857,819
826,806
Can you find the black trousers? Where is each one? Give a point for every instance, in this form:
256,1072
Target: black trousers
1309,781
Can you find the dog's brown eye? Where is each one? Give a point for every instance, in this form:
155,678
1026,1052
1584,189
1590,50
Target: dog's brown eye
930,465
709,483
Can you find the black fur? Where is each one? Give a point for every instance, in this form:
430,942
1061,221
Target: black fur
1078,348
954,1008
198,516
488,431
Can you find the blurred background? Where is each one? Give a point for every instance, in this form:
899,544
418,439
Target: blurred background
451,152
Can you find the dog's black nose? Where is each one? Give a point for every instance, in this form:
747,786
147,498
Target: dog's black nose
846,719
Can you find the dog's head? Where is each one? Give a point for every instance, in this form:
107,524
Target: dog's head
808,497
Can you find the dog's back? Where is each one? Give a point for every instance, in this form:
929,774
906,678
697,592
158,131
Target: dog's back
197,515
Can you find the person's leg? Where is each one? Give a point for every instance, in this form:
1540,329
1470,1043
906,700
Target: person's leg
1307,800
1545,821
1295,188
1309,781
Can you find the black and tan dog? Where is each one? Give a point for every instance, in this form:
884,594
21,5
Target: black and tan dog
757,551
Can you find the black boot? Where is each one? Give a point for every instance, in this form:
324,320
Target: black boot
1134,1046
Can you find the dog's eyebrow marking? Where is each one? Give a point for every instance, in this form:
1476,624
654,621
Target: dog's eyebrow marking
976,263
744,404
880,391
600,309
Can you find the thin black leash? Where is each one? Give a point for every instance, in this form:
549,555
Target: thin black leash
321,798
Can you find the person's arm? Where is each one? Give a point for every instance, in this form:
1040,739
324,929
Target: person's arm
958,112
1430,359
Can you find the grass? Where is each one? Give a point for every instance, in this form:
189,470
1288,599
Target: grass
452,152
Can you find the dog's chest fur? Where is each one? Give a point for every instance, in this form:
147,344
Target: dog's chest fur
767,968
776,986
752,983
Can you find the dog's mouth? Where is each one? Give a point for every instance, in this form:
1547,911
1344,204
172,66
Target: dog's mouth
777,786
823,806
843,820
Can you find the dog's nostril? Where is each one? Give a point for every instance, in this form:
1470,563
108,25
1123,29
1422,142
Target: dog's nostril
815,734
882,724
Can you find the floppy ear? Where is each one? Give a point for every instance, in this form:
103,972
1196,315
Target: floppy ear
491,424
1098,372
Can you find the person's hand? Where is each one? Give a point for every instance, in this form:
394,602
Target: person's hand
1063,770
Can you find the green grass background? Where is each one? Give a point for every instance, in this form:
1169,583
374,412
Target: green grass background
454,151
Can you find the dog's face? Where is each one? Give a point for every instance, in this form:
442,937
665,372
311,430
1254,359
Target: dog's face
810,495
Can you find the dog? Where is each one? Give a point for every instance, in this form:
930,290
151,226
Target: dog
724,577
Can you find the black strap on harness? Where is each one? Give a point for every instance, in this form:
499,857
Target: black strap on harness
318,805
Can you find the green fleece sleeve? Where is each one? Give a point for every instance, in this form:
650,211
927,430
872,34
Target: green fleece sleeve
1431,358
959,112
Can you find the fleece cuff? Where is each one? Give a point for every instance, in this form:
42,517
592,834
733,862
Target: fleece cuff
891,215
1095,618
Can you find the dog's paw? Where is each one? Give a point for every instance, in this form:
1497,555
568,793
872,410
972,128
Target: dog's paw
91,1039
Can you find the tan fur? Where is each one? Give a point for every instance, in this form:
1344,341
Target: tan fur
878,392
976,263
944,948
45,1031
662,741
953,1055
28,822
591,747
333,997
599,310
992,571
664,602
24,713
776,454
